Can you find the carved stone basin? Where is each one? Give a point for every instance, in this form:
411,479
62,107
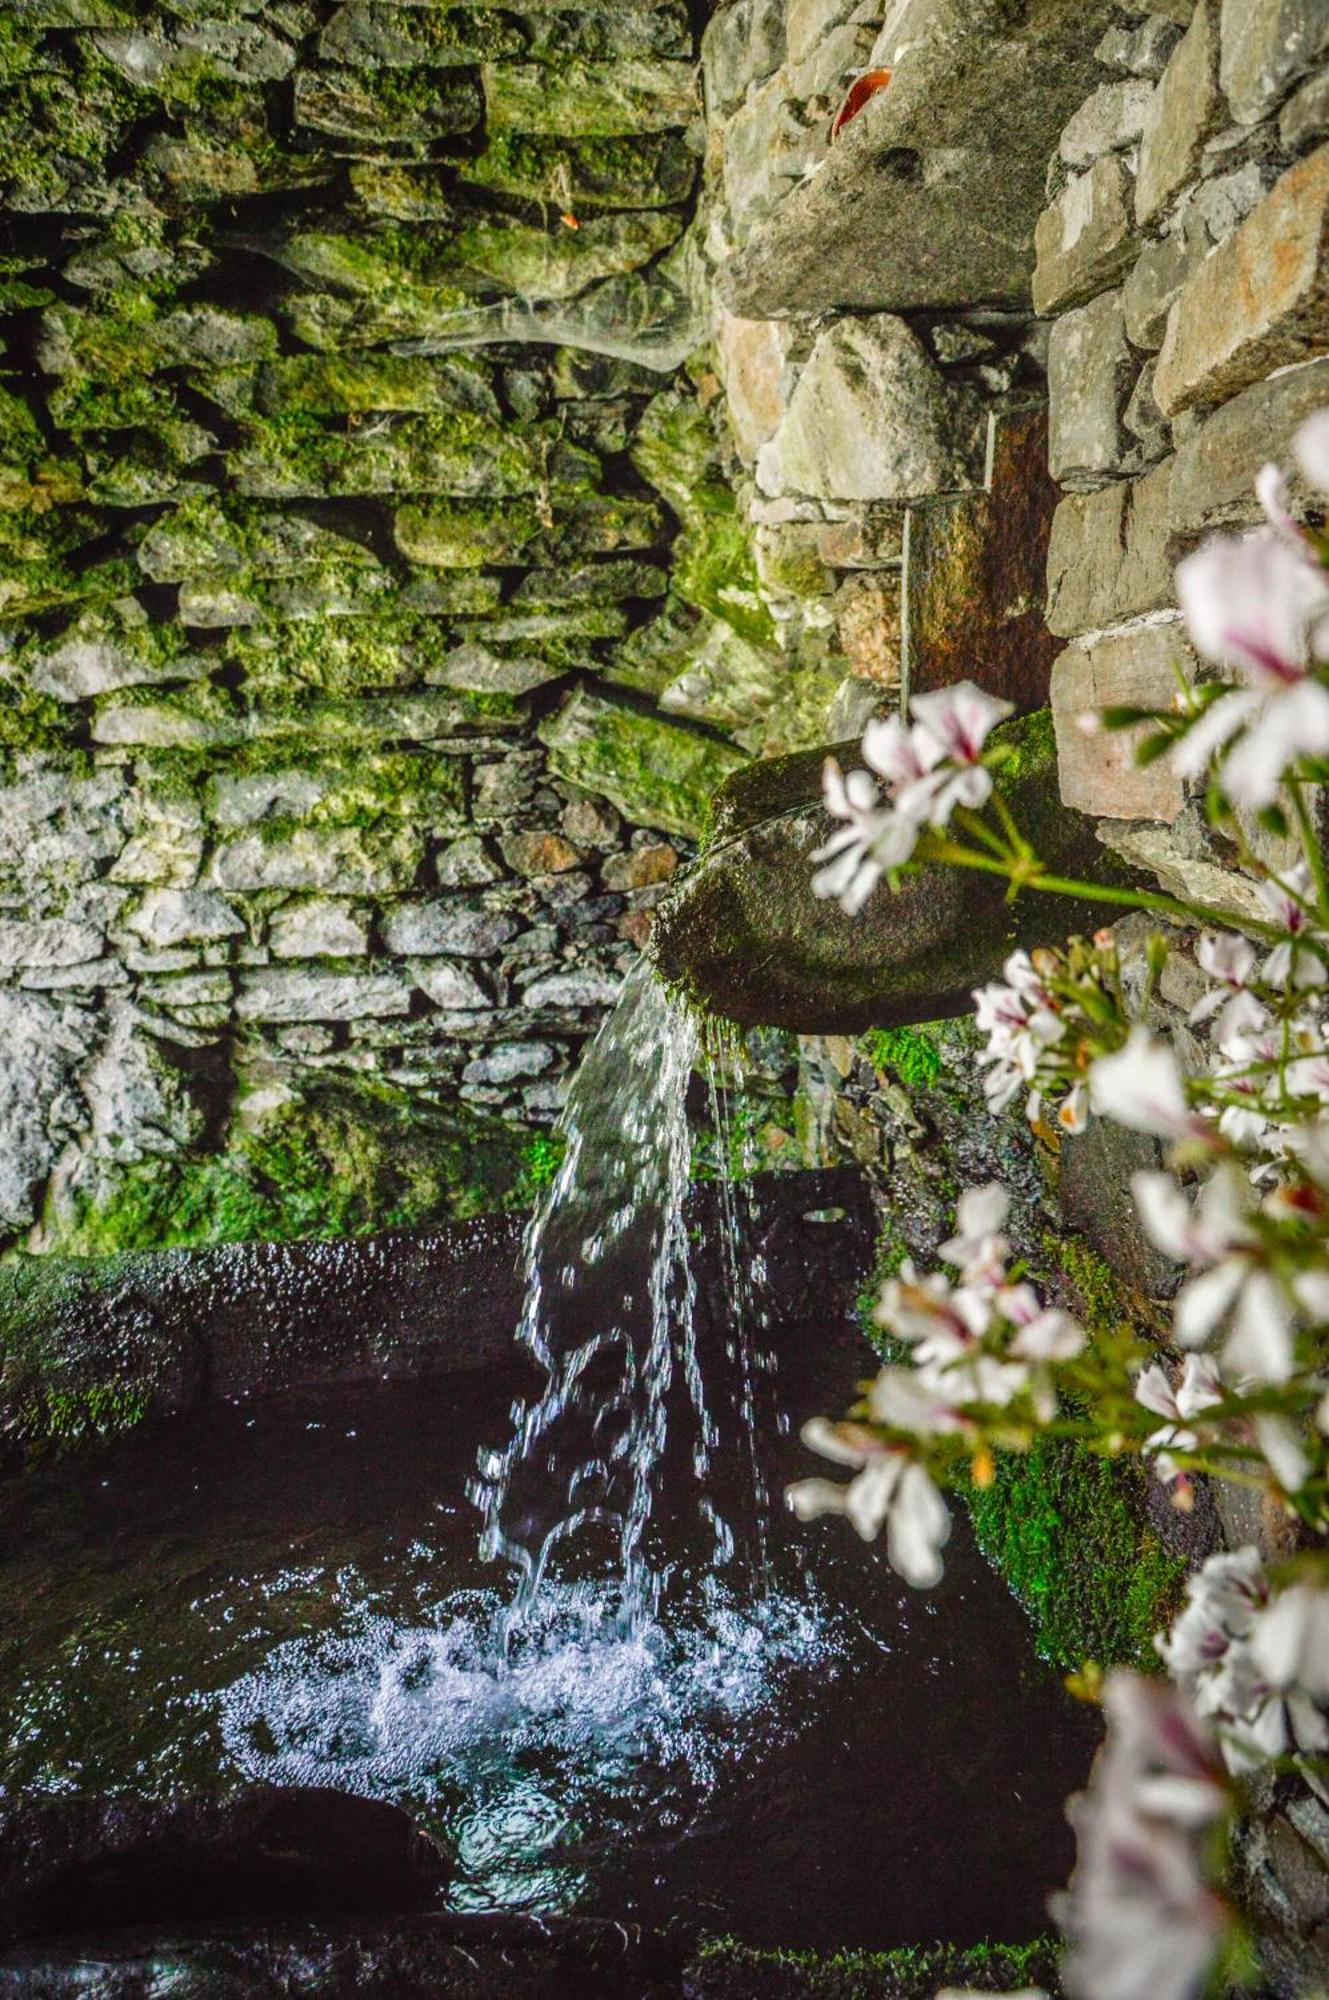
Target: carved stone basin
745,935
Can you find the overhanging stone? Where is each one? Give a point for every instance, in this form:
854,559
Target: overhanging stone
930,196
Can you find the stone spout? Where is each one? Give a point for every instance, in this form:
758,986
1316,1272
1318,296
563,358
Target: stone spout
745,935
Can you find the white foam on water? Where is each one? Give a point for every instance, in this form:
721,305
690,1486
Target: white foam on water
535,1756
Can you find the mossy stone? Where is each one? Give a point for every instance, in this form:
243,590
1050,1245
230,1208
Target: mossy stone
657,773
745,934
647,170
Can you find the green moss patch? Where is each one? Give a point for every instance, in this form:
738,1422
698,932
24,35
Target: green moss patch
344,1160
728,1970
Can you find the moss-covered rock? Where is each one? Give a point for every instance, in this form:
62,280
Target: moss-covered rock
463,453
647,170
590,99
658,773
343,1158
747,936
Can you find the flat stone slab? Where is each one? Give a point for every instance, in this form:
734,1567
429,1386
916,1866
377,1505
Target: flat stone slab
930,196
744,934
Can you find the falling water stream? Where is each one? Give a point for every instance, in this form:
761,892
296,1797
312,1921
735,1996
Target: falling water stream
638,1686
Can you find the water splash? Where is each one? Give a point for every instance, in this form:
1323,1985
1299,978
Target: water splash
537,1763
609,1312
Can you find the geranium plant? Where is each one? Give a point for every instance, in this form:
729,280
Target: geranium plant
1240,1391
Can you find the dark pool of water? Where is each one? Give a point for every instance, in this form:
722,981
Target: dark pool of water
292,1591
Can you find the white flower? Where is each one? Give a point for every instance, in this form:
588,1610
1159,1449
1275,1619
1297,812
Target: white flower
978,1247
1310,448
1254,1660
900,754
1252,603
939,1319
1292,963
1282,1450
1230,960
888,1488
1141,1087
1043,1333
1140,1916
874,839
959,720
1215,1238
1199,1389
1291,1641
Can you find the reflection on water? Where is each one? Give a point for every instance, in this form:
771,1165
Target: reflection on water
295,1592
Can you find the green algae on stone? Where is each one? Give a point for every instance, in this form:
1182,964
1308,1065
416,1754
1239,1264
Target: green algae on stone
334,654
135,338
328,384
657,773
462,454
376,107
560,260
207,535
647,170
468,537
344,1158
713,568
590,99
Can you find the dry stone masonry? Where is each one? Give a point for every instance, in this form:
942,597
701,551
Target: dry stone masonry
377,617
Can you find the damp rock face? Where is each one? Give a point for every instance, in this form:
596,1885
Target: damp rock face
745,934
73,1864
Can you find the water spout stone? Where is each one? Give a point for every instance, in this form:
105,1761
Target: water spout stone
745,936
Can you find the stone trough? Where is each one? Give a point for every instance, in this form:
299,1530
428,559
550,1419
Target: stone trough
745,936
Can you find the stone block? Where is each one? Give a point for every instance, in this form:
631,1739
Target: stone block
1145,421
643,867
582,987
506,1061
318,927
1107,558
281,993
751,355
337,860
47,943
656,772
458,930
768,148
1305,116
1136,668
1186,110
1107,122
1259,303
1143,50
1157,275
1085,240
1090,372
873,418
449,985
928,198
590,100
540,853
1267,44
168,917
868,627
742,44
1214,478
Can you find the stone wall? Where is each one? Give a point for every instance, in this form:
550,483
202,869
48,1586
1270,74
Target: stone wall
1181,261
377,616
